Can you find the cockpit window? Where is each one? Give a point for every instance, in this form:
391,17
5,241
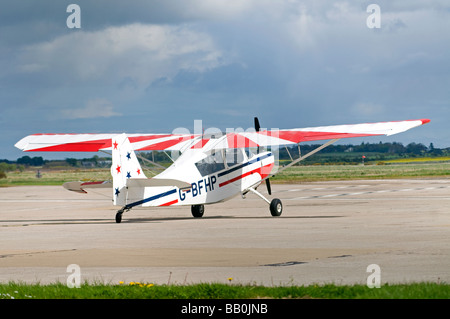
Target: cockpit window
215,162
211,164
234,156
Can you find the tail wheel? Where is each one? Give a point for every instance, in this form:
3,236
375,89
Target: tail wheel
276,208
197,210
119,216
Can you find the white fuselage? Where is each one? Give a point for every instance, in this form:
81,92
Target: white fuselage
213,178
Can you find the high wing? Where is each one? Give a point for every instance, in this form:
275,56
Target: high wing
98,142
299,135
181,142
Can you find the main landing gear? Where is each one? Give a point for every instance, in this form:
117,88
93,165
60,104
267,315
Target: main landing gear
276,207
197,210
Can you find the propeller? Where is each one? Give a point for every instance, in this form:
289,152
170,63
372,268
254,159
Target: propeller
257,128
269,190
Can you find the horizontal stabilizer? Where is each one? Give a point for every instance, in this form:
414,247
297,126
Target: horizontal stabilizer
156,182
80,186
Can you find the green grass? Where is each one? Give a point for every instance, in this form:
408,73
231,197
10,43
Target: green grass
55,177
295,174
52,177
418,159
222,291
352,172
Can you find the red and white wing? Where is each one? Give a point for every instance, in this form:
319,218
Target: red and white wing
298,135
149,142
98,142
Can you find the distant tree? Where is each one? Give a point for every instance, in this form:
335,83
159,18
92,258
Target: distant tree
396,148
72,161
37,161
434,151
25,160
28,161
416,148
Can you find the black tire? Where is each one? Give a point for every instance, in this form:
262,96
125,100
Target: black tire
197,210
118,217
276,208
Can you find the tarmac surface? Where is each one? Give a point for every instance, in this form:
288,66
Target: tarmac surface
329,232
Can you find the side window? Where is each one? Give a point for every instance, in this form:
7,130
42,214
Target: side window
211,164
250,152
234,156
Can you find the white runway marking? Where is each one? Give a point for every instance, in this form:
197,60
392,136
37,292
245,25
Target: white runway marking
362,193
38,200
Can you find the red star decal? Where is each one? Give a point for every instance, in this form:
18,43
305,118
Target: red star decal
115,145
118,169
139,172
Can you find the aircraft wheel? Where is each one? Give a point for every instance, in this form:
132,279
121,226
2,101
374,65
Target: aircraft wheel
276,208
118,217
197,210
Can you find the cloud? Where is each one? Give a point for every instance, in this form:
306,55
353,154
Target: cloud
161,64
139,52
96,108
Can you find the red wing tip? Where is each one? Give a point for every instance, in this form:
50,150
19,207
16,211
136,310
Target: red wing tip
425,121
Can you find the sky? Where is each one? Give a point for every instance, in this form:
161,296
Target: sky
154,66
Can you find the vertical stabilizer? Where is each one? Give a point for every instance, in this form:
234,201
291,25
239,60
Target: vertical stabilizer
125,165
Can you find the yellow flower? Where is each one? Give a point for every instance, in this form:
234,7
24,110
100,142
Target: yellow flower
230,279
150,285
121,282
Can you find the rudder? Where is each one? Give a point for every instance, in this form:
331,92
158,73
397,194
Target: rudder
125,165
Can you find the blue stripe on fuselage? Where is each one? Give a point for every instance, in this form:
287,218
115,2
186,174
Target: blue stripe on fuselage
146,200
245,164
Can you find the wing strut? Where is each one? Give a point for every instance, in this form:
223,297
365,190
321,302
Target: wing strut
301,158
149,161
259,194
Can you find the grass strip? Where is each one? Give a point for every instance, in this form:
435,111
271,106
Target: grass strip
138,290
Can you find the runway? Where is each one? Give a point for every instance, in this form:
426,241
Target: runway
329,232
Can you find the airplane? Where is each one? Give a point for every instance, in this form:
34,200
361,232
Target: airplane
212,168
